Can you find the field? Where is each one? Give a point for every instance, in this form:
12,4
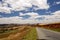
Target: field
54,27
23,32
57,29
18,33
31,35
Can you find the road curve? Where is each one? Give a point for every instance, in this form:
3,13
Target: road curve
44,34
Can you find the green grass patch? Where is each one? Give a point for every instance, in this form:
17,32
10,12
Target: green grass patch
58,29
31,35
54,29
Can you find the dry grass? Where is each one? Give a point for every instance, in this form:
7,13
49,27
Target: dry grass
15,34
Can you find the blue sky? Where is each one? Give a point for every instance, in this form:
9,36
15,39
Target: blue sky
51,8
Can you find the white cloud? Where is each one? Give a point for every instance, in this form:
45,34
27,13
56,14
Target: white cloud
58,2
31,14
8,20
49,12
5,9
42,4
47,18
17,20
20,20
51,18
18,5
56,13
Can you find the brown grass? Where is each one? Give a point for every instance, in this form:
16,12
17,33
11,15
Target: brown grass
15,34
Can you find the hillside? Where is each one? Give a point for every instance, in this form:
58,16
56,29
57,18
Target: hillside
52,26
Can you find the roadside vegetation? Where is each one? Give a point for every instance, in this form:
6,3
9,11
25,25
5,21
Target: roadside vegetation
7,33
58,29
54,26
17,32
31,35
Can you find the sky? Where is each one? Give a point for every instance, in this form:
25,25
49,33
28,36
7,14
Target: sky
29,11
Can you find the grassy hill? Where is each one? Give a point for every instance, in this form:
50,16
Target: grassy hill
52,26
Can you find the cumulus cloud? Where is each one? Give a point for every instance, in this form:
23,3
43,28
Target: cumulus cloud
46,19
42,4
51,18
5,10
56,13
9,20
31,14
16,20
20,20
18,5
58,2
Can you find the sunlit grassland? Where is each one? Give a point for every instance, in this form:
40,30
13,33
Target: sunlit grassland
14,34
7,33
31,35
53,29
